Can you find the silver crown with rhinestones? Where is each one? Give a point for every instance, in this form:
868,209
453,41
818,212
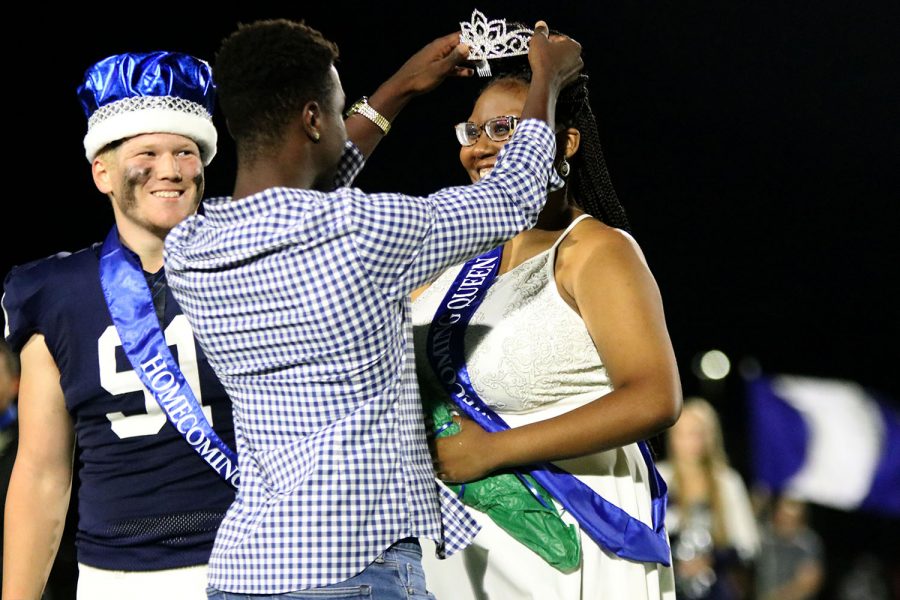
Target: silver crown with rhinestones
491,39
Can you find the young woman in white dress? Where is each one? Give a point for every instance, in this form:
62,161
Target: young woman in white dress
710,514
570,348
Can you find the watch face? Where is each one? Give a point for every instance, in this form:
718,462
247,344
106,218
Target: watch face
356,106
361,107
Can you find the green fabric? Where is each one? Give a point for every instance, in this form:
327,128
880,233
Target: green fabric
514,508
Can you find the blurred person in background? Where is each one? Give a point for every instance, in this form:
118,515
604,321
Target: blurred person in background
790,564
867,579
710,518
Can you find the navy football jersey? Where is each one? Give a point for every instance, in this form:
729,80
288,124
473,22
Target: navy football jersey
146,500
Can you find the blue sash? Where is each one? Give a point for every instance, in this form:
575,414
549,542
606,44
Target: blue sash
605,523
132,312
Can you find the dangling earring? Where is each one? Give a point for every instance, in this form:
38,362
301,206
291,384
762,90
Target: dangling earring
564,168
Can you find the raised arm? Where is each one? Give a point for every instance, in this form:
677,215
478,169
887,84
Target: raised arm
424,71
41,481
423,236
555,62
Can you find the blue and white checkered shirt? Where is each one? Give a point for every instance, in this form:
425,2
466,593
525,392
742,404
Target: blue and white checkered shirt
300,300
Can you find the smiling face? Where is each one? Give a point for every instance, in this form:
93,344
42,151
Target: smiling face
155,181
506,98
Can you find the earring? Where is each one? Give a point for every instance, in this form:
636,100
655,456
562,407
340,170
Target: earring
564,169
315,136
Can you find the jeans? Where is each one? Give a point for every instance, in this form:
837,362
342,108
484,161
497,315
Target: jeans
395,575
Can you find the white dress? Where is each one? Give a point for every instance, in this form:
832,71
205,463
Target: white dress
530,358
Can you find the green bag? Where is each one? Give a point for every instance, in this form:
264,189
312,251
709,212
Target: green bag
514,508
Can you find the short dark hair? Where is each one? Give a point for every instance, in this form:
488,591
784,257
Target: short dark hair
265,73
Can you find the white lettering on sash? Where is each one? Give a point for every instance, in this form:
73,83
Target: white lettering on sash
440,341
162,381
472,281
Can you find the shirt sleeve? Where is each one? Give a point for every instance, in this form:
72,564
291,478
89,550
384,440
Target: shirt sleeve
21,301
351,163
404,241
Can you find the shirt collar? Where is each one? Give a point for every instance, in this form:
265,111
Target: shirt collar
223,211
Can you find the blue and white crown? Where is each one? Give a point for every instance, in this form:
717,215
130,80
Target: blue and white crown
491,39
156,92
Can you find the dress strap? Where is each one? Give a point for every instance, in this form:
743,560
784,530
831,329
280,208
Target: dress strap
566,231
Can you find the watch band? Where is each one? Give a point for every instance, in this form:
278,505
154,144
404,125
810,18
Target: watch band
362,107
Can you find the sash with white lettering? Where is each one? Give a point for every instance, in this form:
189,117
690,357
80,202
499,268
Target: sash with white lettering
605,523
131,308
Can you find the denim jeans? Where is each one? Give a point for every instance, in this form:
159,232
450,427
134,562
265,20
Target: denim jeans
395,575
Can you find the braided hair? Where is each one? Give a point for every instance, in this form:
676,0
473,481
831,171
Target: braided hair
589,181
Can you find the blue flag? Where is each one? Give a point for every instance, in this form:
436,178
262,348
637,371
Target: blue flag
826,441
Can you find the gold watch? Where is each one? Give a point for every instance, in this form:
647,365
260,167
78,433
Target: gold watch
362,107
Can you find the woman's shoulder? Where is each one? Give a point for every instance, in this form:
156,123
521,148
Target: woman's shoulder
592,242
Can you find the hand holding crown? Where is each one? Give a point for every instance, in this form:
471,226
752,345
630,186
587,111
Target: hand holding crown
495,39
442,58
424,71
556,57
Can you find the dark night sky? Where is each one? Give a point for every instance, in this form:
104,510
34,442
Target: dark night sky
754,146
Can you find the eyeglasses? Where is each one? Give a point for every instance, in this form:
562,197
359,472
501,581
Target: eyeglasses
498,129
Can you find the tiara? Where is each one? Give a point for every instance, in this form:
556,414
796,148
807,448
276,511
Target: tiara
490,39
